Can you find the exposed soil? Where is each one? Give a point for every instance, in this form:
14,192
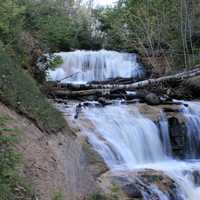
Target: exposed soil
55,163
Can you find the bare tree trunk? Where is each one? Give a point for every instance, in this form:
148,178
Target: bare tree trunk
102,90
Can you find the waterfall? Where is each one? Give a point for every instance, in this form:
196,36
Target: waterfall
121,134
86,66
126,139
164,130
192,115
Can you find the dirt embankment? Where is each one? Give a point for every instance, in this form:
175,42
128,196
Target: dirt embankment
62,163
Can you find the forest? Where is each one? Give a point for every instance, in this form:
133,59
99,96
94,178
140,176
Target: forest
164,37
151,28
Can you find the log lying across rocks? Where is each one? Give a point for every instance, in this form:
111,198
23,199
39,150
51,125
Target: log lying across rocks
104,94
107,93
118,80
106,88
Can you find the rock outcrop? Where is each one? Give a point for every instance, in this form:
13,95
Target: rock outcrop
138,185
176,122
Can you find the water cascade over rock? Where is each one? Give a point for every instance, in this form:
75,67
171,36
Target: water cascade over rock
192,115
121,135
165,136
137,150
85,66
128,141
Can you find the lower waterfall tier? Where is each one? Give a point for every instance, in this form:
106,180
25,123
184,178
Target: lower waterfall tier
141,144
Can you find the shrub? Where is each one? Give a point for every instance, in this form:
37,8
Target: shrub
19,90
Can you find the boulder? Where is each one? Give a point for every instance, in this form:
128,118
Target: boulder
196,177
152,99
139,185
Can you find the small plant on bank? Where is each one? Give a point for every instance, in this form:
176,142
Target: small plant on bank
55,61
58,196
99,196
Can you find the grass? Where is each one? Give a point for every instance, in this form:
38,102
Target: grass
99,196
58,196
19,90
12,185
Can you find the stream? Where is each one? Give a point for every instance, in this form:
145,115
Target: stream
127,139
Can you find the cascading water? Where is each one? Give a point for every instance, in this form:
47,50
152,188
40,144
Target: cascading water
123,137
125,132
85,66
129,141
165,136
192,115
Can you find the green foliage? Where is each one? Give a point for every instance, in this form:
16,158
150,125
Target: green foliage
58,196
54,24
10,20
153,26
19,90
54,62
99,196
11,184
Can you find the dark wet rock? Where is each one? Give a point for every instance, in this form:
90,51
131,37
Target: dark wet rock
102,101
132,191
152,99
176,121
141,185
171,109
178,133
193,86
196,177
128,187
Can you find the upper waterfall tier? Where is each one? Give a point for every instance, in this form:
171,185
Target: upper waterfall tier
85,66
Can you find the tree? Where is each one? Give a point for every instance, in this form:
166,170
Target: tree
154,28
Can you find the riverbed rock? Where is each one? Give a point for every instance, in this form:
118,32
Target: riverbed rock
176,122
152,99
139,185
193,86
196,177
177,131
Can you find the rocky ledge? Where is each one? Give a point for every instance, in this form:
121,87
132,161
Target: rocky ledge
140,185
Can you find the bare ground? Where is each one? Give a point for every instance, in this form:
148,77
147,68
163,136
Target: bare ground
55,163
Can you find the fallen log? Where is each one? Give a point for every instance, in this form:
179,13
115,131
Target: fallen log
52,85
82,93
150,82
118,80
100,88
96,93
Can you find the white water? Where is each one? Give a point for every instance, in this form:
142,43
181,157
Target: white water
165,136
86,66
129,141
122,136
130,138
192,114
